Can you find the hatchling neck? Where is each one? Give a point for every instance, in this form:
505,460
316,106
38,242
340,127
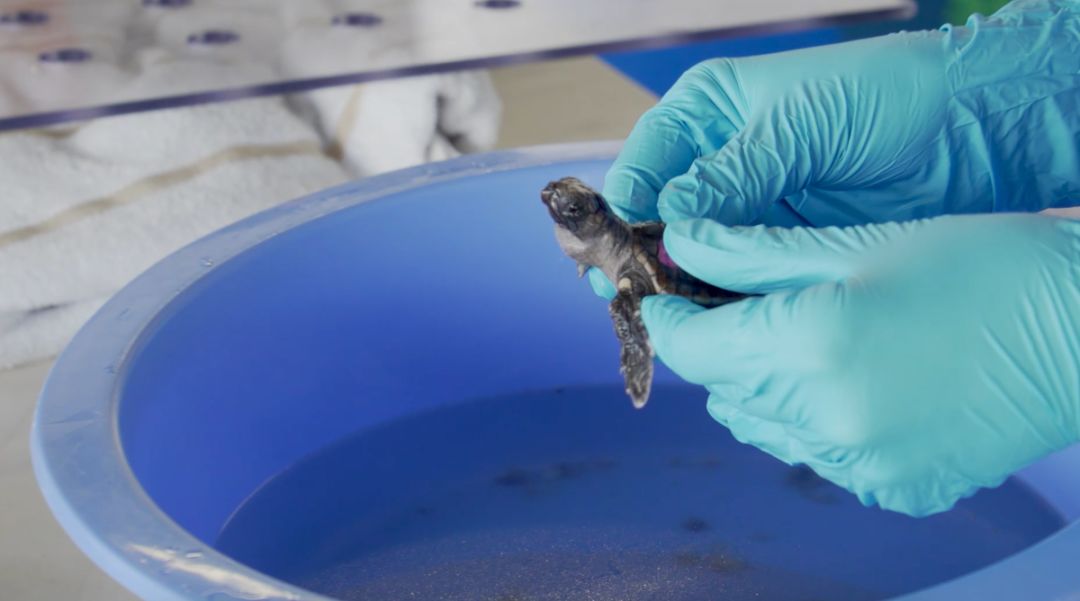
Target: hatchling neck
622,237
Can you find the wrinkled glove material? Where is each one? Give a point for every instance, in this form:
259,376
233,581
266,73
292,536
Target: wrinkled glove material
911,363
980,118
907,357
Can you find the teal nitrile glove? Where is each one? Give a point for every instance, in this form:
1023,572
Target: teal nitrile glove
981,118
909,363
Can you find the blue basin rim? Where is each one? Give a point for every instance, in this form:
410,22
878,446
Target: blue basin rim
86,480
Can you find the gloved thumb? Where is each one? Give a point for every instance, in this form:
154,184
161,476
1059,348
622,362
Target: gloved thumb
760,260
731,345
601,286
735,185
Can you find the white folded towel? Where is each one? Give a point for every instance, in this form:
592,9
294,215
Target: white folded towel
85,208
386,125
82,213
430,117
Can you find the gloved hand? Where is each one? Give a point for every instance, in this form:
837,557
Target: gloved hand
910,363
981,118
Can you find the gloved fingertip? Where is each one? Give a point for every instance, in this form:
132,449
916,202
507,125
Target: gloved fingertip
601,286
921,501
867,499
688,239
728,257
662,314
724,398
684,230
767,436
629,193
905,502
690,196
681,199
759,259
721,409
666,310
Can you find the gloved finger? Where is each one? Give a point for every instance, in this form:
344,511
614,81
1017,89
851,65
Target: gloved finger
737,184
790,445
601,286
732,344
774,438
783,214
674,324
914,498
760,260
762,344
695,342
696,116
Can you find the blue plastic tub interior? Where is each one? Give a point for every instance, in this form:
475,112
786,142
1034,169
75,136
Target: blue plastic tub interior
268,340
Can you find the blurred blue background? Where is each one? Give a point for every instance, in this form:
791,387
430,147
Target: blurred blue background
657,69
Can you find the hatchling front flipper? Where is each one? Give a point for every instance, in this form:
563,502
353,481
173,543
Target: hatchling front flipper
636,358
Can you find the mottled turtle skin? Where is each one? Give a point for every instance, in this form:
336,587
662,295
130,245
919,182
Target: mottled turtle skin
632,256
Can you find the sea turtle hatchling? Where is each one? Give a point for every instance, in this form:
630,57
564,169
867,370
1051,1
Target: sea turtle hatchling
633,257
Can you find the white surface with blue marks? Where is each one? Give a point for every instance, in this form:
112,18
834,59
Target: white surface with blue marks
74,55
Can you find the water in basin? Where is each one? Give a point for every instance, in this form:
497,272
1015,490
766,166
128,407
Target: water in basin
572,494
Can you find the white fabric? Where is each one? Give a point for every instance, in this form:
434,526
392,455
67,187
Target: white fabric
85,208
439,117
84,213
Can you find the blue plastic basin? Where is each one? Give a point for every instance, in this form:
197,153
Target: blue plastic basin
349,311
